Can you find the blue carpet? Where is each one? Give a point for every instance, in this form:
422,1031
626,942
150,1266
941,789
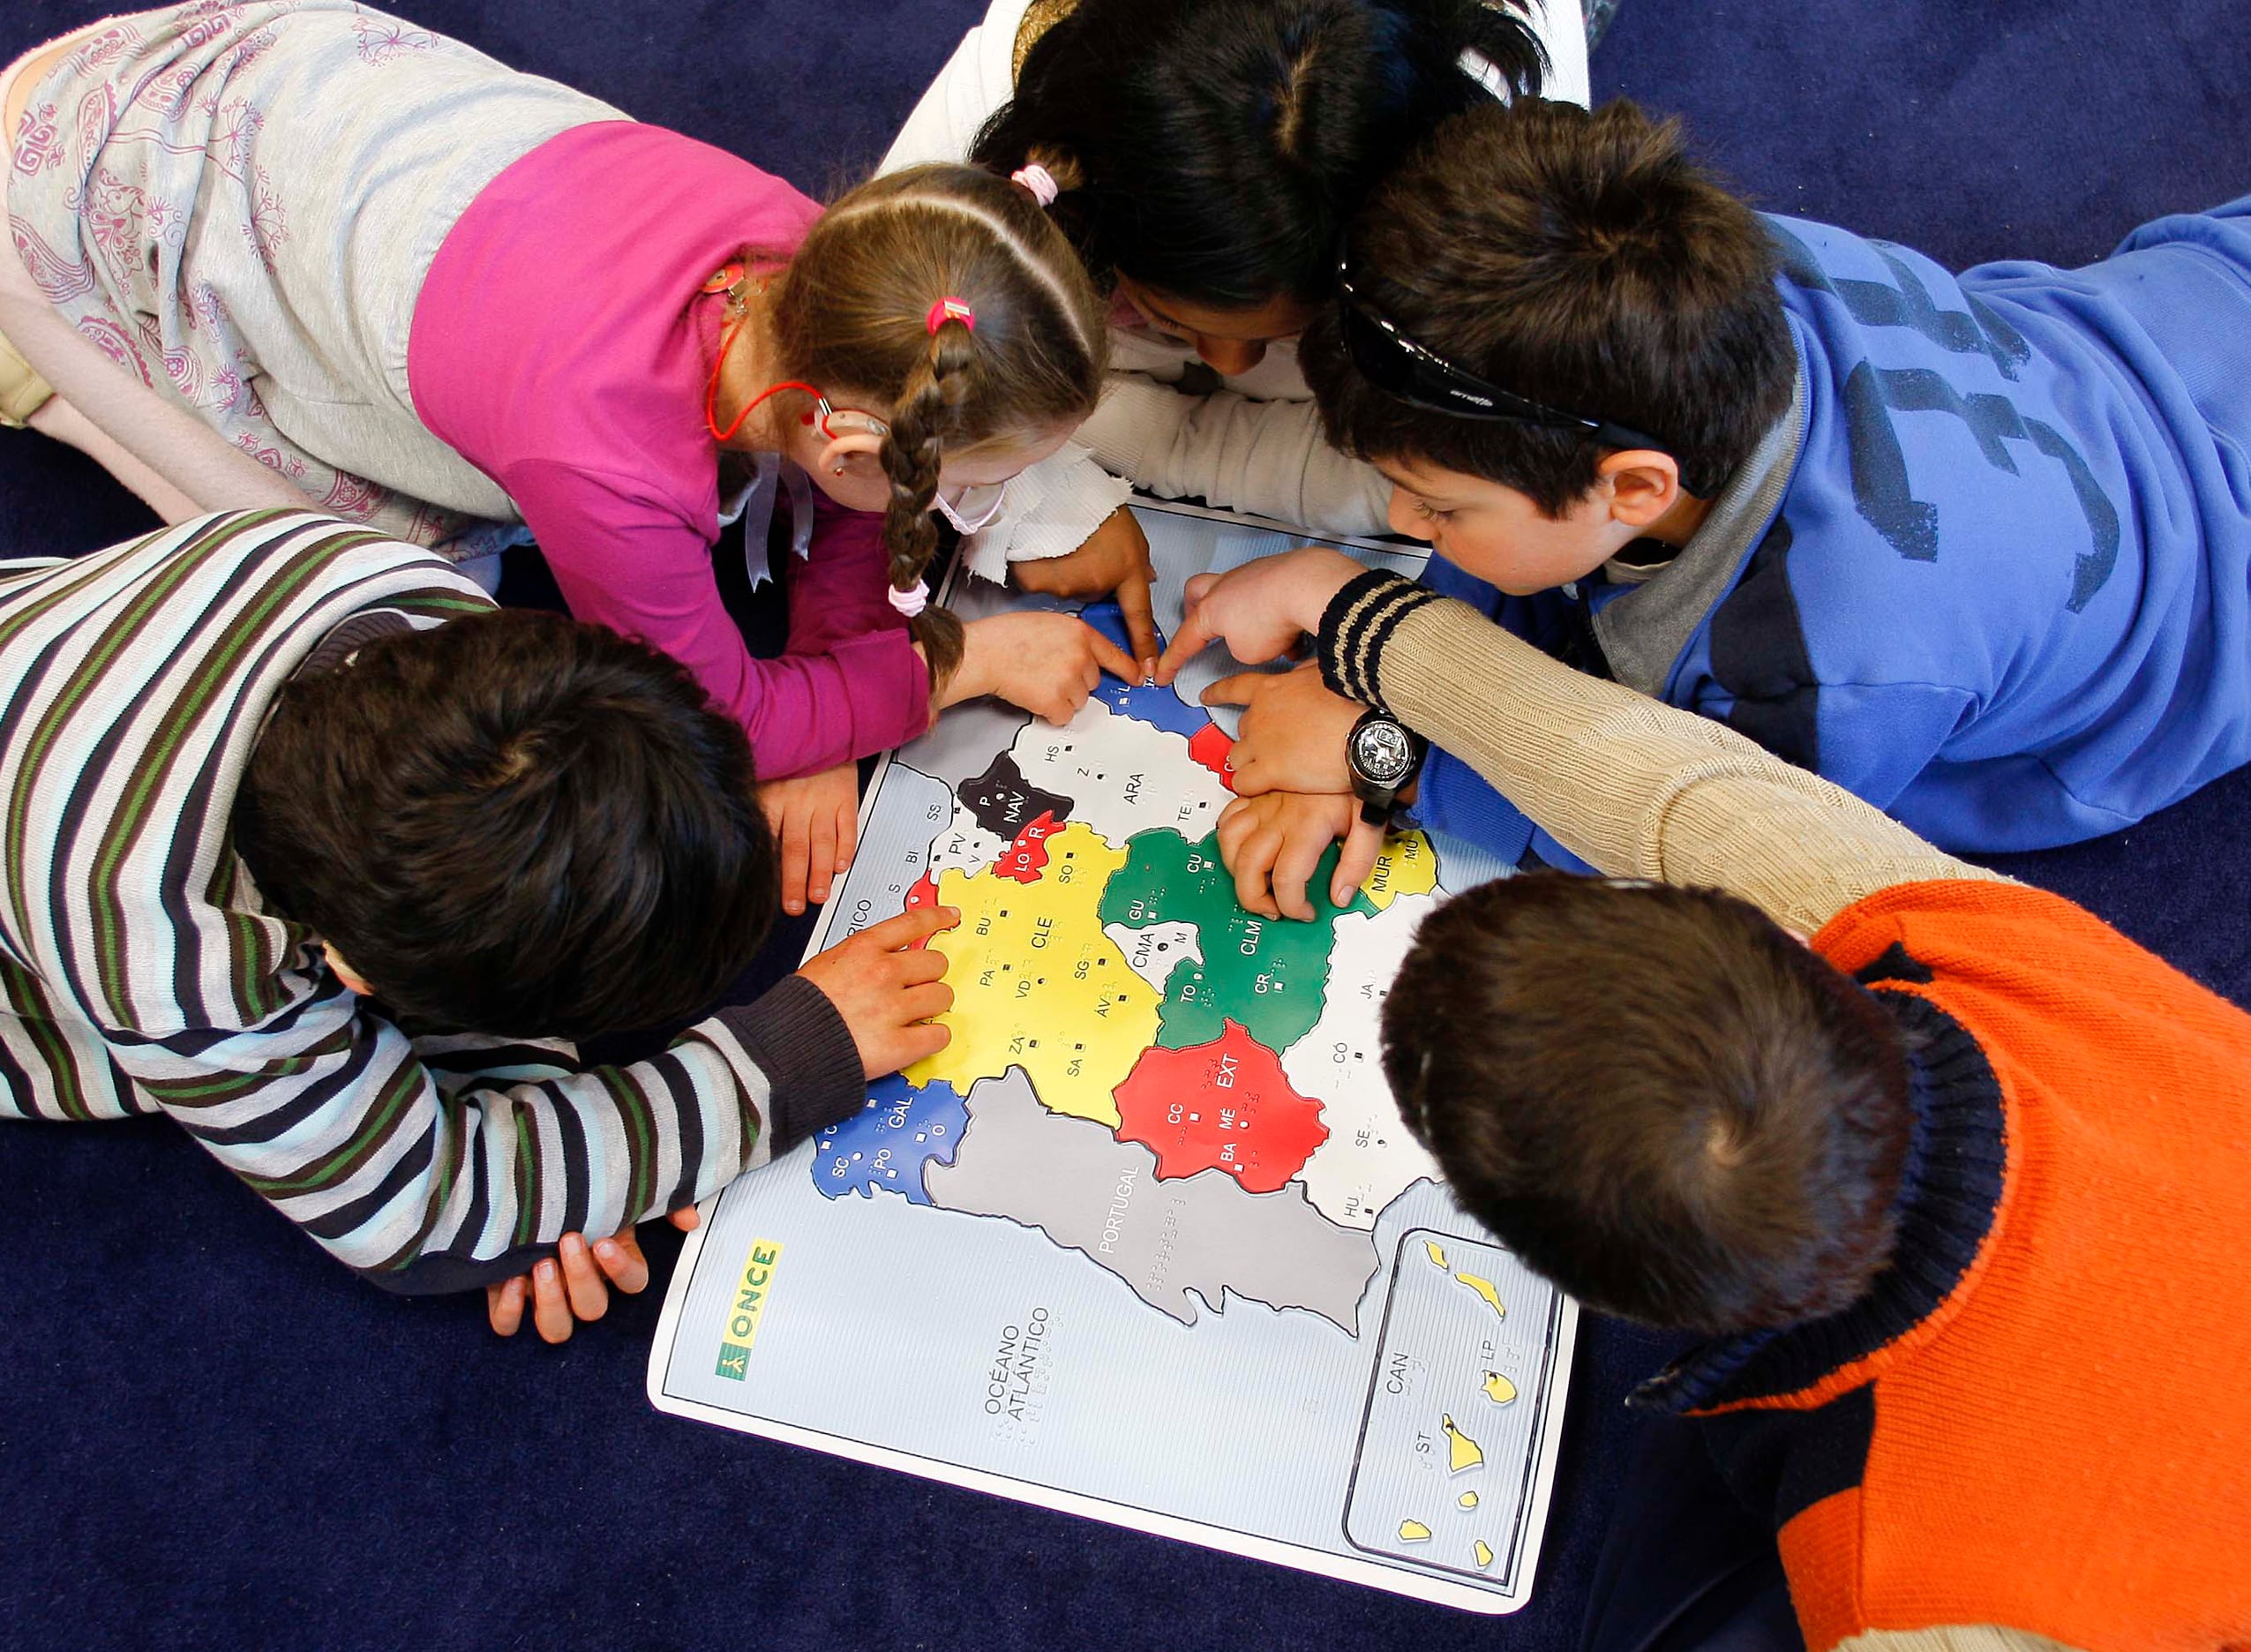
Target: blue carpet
218,1438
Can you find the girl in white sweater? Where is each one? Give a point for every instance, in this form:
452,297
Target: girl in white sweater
1206,153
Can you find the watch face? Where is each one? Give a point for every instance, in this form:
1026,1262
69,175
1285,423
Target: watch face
1382,752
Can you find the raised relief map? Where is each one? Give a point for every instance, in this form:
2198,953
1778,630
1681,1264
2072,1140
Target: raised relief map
1150,1208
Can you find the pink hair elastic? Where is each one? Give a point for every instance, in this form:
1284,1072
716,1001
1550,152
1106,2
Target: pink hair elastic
911,603
1040,181
950,310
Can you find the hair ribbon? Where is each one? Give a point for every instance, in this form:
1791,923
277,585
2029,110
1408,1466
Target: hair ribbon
912,601
1040,181
950,310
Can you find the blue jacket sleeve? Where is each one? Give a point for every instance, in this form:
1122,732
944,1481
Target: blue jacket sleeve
1455,801
1919,752
1878,740
1453,798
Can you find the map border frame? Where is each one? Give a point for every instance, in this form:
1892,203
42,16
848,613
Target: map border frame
1393,1576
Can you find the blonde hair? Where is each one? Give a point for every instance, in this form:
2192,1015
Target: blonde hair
852,310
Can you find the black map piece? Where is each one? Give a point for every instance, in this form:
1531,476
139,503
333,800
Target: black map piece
1004,802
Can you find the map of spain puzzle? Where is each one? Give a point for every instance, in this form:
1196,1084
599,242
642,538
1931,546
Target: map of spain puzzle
1148,1240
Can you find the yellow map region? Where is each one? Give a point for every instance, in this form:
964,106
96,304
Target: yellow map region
1405,865
1038,985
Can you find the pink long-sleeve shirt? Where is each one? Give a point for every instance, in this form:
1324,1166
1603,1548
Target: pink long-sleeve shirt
562,344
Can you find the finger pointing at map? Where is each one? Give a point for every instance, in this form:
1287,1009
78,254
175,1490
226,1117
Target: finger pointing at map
1259,610
1114,562
886,987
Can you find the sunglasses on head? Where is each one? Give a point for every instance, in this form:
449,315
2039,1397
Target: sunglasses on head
1405,371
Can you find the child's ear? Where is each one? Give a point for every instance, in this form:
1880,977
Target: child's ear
1643,484
837,452
345,973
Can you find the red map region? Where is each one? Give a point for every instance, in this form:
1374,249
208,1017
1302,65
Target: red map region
1226,1104
925,893
1210,747
1025,859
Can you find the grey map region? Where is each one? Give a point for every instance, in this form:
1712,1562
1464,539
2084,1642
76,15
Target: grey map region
960,746
1089,1192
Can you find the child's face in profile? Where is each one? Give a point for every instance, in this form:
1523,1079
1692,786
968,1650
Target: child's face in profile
1498,533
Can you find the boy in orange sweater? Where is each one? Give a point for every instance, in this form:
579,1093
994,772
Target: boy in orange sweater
1953,1177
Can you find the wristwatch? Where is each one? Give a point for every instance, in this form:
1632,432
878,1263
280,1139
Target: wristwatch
1385,756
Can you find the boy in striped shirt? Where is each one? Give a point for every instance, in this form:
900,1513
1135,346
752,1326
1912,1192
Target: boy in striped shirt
298,821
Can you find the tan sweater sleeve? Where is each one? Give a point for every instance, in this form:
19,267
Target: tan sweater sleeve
1951,1638
1635,787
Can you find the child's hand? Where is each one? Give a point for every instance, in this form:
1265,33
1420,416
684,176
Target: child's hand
816,818
1271,844
1047,662
1114,560
1260,609
1293,734
887,985
568,1288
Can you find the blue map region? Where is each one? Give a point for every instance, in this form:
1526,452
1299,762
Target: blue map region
886,1144
1161,707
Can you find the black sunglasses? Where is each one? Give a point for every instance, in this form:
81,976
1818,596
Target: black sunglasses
1404,370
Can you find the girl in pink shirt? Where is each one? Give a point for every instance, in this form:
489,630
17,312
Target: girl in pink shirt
440,296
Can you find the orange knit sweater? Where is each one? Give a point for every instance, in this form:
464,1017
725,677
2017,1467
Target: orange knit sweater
2042,1416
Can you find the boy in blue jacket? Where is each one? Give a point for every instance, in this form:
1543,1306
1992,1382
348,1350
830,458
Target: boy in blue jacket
1975,547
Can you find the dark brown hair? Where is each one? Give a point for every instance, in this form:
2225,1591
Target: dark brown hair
1219,144
1583,260
1658,1099
851,310
514,824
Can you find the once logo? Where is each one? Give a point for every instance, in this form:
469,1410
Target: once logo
751,1291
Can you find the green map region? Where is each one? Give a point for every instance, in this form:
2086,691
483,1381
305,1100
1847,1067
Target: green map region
1268,973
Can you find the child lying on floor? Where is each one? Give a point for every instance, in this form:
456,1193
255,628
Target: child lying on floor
1881,1126
315,851
310,251
1206,154
1977,548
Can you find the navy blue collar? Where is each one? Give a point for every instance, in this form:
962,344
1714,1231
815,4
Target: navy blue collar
1949,1190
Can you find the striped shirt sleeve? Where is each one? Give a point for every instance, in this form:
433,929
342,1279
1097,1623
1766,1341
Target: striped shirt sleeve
438,1170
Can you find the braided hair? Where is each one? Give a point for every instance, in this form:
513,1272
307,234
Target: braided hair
855,311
